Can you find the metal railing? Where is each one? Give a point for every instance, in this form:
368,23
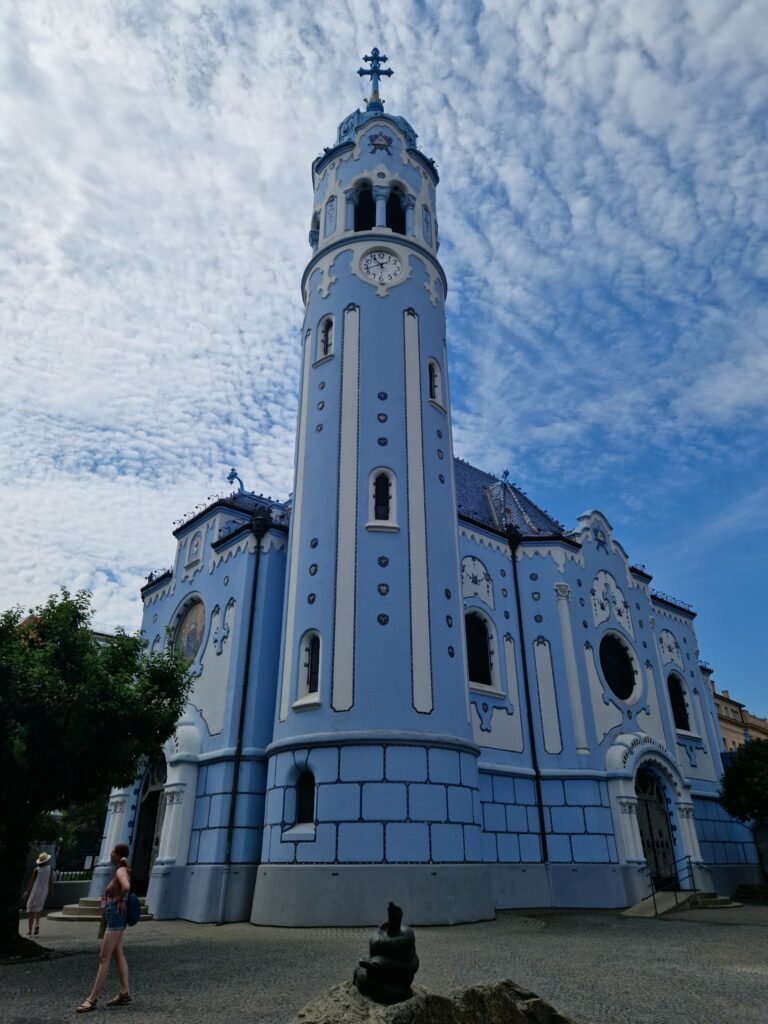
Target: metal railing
684,875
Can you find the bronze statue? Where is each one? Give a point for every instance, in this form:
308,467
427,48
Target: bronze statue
386,974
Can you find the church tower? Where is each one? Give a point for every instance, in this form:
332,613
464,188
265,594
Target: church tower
372,789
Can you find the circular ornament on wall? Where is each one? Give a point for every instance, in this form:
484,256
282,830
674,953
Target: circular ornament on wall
382,396
382,619
451,652
617,665
383,561
313,542
311,598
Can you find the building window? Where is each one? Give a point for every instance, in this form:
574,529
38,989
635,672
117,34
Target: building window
678,702
365,209
435,382
309,671
396,212
313,664
325,338
330,216
382,507
618,666
381,497
305,799
479,661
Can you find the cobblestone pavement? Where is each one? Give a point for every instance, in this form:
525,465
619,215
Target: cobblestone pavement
707,967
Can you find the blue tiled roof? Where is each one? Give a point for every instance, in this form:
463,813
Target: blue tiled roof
486,499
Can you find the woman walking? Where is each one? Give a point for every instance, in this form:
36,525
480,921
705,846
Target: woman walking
113,905
39,888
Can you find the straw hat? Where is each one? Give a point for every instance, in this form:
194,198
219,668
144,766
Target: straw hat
43,858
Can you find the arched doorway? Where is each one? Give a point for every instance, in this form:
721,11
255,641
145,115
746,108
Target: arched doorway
151,811
655,831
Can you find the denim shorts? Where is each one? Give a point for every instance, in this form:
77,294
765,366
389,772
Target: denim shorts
114,917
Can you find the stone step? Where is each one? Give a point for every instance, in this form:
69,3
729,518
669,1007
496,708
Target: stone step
665,904
89,909
707,901
753,893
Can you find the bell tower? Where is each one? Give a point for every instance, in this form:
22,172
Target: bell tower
372,784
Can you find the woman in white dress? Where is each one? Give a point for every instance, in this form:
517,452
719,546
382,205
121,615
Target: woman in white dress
37,892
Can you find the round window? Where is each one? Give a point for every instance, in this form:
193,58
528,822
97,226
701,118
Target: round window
189,634
617,666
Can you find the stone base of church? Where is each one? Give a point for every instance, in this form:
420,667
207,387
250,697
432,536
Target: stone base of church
202,892
311,895
517,886
726,878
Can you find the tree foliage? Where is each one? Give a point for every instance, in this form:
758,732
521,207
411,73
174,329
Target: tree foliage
77,716
744,791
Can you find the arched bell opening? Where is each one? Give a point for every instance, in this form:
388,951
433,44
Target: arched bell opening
365,209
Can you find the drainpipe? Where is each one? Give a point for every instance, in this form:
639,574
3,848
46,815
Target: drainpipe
260,523
513,538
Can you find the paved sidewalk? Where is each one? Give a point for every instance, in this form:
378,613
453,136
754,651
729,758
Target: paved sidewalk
697,967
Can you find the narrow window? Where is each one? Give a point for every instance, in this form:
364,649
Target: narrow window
435,383
381,497
305,799
330,216
325,339
313,664
478,650
395,213
677,700
365,210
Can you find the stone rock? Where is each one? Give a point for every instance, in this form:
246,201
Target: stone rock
502,1002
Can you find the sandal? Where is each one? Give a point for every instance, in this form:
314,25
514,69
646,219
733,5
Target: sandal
37,930
86,1006
121,999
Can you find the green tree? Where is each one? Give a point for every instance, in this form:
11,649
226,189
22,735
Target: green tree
744,790
76,717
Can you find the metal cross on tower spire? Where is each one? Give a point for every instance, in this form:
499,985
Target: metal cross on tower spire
375,59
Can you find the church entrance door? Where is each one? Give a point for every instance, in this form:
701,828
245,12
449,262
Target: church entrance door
151,812
655,833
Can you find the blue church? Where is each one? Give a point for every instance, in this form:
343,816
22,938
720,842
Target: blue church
410,682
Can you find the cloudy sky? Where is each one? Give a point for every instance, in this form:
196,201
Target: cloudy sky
603,220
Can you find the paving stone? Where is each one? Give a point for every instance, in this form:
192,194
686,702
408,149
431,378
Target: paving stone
694,967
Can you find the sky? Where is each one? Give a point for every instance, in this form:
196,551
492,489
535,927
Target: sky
603,215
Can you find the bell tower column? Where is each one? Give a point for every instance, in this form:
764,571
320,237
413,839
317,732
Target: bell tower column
373,784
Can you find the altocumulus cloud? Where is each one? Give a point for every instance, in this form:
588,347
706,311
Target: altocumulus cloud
603,226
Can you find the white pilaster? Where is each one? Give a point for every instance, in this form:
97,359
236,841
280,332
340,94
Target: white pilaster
563,594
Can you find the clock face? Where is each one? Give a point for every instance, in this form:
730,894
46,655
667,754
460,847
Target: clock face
381,267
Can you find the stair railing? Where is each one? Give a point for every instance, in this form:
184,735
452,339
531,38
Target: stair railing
686,874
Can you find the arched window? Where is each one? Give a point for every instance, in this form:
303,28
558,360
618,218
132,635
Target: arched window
325,338
382,514
678,702
435,383
396,212
365,209
309,671
478,650
313,664
305,799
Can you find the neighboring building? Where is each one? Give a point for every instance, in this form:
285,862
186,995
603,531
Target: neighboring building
757,728
737,725
411,683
